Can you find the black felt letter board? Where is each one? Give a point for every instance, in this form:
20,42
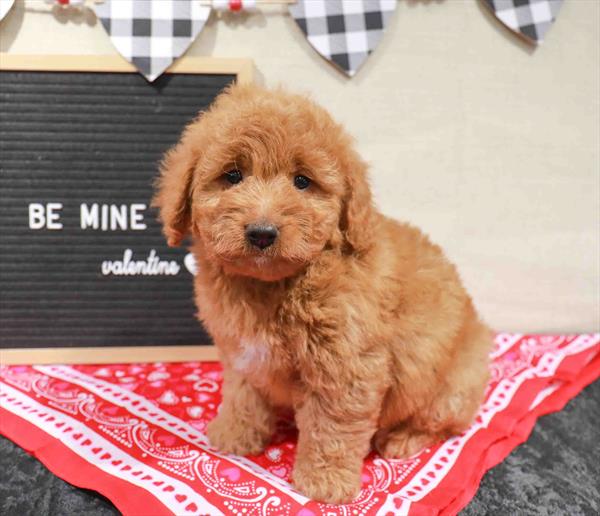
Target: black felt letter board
82,258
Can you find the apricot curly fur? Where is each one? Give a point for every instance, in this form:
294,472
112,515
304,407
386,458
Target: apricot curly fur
355,321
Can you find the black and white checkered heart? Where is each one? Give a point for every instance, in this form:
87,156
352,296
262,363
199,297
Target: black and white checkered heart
5,6
531,18
151,34
343,31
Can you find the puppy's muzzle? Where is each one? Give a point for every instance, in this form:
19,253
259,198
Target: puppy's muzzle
261,235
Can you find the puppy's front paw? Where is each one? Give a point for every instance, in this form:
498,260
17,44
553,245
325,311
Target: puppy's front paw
328,485
401,444
236,436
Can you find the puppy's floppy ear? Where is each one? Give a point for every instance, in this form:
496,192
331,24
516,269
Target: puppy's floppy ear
357,215
173,190
174,185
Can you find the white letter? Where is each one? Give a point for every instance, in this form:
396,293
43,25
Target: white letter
127,254
135,218
106,267
37,220
104,217
173,268
52,217
118,216
88,217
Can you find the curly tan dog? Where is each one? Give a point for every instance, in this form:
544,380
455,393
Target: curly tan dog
315,300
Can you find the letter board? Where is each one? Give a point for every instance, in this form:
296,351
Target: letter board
83,262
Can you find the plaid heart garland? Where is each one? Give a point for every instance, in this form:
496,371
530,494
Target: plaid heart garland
344,32
5,6
151,34
530,18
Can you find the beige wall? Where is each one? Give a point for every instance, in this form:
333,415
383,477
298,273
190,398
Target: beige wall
490,147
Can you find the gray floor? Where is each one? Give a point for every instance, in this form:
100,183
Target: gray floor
556,472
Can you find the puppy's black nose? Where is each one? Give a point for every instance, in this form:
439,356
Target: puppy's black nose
261,235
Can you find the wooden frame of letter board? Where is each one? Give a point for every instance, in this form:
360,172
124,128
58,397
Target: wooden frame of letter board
243,69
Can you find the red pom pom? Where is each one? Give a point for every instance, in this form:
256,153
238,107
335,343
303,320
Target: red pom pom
235,5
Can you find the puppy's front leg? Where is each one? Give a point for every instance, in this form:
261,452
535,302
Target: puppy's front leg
245,422
335,429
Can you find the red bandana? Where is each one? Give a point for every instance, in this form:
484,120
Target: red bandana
135,433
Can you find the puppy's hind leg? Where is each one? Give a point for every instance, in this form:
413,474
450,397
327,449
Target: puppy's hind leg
452,409
245,422
448,414
457,403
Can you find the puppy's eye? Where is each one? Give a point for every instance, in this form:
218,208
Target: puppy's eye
233,176
301,182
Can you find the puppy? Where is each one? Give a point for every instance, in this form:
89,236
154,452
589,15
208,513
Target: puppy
316,301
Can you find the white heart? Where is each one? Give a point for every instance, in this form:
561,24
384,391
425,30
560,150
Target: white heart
195,411
190,263
274,454
206,385
155,376
168,398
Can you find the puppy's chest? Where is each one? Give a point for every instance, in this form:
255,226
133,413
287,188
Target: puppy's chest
253,357
259,358
263,363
